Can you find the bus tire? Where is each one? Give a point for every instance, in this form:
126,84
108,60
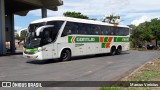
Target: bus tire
113,50
118,50
65,55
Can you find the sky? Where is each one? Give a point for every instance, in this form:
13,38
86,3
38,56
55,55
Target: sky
131,11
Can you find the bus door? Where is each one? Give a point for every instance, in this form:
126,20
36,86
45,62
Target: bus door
47,42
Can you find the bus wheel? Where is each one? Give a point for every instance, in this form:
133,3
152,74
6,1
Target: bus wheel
65,55
113,51
118,50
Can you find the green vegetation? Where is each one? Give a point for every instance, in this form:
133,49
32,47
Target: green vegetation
111,19
22,36
145,33
150,72
111,88
75,15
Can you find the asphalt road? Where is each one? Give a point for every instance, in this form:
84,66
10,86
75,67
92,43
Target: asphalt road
88,68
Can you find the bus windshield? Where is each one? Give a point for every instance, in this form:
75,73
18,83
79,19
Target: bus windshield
34,41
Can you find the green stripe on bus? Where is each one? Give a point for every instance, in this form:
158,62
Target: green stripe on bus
106,39
121,39
31,50
90,39
103,45
69,39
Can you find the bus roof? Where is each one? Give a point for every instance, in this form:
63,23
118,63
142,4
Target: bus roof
75,20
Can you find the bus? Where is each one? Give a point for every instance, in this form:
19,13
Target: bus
65,37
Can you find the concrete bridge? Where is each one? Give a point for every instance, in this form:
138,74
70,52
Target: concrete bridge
19,7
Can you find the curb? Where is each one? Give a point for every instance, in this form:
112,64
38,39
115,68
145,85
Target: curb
126,77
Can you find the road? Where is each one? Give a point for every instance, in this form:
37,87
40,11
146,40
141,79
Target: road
88,68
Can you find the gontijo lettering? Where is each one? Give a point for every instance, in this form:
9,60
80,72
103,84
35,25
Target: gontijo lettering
85,39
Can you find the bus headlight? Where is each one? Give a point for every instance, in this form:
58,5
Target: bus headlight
41,49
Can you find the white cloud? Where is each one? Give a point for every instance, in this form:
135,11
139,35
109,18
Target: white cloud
91,7
127,9
140,20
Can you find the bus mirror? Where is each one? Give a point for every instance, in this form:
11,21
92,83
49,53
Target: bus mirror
40,29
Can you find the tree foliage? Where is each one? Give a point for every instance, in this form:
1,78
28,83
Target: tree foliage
145,32
17,37
75,15
23,35
113,19
154,26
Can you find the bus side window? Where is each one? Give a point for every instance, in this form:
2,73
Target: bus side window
111,31
68,29
96,30
126,31
82,28
74,29
103,30
121,31
88,29
116,31
106,30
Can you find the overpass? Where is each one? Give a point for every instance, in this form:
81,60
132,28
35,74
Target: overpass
19,7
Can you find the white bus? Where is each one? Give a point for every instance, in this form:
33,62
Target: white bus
65,37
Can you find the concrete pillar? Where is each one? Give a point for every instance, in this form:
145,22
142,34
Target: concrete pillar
2,28
44,12
12,37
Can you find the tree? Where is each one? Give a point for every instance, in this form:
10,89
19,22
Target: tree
23,35
154,26
133,35
146,32
113,19
17,37
75,15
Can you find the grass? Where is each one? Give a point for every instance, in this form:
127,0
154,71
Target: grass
149,72
111,88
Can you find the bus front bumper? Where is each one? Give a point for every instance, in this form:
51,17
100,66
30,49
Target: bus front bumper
32,56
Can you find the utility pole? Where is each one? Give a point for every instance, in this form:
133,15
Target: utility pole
135,39
156,39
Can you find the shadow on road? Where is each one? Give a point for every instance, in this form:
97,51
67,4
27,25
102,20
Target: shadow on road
50,61
38,62
12,54
94,56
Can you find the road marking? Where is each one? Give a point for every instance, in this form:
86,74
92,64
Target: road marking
109,62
